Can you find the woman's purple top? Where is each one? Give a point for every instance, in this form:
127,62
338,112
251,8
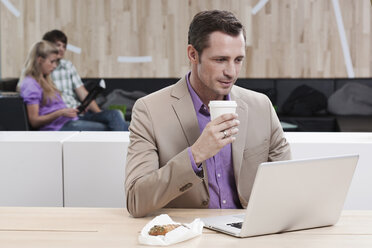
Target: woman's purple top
32,93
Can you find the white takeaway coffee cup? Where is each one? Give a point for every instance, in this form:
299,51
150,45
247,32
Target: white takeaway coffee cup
218,108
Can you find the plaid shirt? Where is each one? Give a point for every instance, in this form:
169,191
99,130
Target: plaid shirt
67,80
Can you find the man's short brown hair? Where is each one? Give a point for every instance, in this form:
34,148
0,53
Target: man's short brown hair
206,22
54,36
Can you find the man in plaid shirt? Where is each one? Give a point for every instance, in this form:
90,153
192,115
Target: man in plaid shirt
73,90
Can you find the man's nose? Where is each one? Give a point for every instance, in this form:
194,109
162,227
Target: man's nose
230,70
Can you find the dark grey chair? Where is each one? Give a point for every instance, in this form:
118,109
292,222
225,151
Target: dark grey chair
13,113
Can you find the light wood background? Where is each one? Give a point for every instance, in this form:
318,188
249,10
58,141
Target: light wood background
286,38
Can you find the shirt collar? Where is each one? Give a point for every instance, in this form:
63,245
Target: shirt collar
198,104
61,64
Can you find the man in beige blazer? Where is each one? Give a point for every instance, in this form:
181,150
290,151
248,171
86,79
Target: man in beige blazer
174,159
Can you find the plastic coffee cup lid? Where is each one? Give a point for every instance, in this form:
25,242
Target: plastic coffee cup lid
222,104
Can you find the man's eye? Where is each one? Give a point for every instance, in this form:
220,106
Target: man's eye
220,60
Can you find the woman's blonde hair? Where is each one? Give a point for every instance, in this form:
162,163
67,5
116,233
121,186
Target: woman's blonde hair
32,68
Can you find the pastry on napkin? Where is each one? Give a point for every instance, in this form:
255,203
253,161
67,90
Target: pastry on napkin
174,232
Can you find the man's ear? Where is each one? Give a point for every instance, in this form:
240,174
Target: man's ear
192,54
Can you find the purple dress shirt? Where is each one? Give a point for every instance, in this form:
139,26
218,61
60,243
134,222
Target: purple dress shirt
221,180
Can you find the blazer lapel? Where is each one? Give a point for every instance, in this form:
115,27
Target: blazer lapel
239,143
184,109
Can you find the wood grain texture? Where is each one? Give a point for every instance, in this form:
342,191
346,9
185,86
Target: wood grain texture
286,38
114,228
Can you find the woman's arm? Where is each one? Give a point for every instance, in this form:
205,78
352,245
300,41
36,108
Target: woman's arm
37,120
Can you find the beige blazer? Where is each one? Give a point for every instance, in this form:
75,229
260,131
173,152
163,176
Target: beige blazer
164,124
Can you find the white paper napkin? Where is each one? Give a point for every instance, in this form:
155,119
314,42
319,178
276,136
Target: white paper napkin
177,235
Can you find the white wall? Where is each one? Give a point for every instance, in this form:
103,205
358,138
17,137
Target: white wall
86,169
93,169
306,145
31,168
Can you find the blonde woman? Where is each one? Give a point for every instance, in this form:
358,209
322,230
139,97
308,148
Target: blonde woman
45,107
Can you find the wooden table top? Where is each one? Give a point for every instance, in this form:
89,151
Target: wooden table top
105,227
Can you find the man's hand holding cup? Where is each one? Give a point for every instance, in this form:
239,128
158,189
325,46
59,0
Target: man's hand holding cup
217,133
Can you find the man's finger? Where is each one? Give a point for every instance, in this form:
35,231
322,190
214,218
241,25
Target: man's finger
228,124
225,117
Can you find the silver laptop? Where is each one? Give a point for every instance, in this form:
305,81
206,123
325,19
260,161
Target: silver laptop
292,195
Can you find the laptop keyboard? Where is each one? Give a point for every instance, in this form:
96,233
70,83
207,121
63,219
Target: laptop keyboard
236,225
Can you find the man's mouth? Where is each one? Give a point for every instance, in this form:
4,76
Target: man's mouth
225,83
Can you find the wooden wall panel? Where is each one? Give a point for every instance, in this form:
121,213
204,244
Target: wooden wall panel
286,38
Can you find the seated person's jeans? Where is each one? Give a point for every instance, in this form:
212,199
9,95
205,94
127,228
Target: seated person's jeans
106,120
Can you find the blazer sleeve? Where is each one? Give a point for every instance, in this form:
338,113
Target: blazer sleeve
149,185
279,146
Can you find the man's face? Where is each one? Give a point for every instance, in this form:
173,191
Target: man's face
219,65
61,49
